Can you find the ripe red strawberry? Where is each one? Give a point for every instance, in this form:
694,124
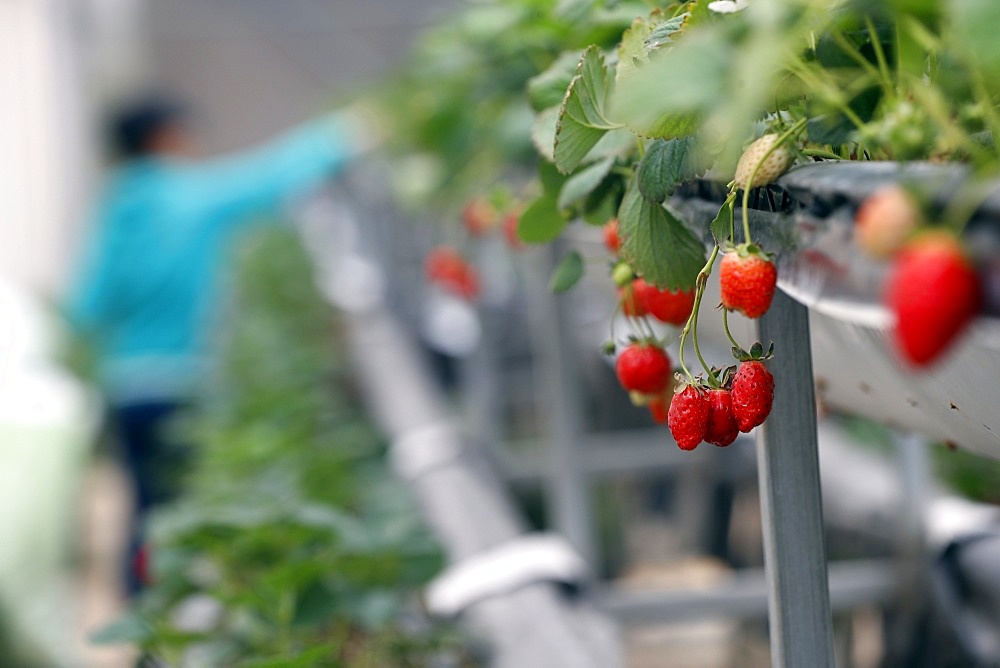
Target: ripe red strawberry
665,305
752,394
631,300
934,293
722,428
643,367
688,417
479,216
770,169
445,266
746,280
884,221
611,240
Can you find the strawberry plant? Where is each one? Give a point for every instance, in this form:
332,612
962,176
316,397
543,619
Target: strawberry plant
625,102
291,532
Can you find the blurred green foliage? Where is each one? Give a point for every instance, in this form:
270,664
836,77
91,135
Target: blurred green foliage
307,550
972,476
459,110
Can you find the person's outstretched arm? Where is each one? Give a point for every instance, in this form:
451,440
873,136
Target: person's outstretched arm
262,178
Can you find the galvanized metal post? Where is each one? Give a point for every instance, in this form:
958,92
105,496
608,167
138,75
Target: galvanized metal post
788,461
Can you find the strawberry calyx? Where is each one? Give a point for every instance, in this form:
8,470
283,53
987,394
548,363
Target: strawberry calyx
750,249
683,382
756,352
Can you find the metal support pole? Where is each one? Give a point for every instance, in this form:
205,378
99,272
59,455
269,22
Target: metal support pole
912,567
788,460
560,394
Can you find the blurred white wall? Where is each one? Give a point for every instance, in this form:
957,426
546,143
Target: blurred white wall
249,68
44,160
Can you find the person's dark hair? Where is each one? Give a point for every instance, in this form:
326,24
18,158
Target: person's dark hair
136,123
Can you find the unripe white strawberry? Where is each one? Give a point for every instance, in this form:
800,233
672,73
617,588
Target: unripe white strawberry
884,221
770,169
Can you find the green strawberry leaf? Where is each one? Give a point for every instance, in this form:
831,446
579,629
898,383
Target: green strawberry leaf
581,184
583,116
602,204
656,244
549,88
543,133
550,178
541,222
567,273
667,164
632,50
663,33
669,95
669,126
698,12
614,143
722,226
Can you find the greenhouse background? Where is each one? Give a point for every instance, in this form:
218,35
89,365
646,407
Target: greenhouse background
390,475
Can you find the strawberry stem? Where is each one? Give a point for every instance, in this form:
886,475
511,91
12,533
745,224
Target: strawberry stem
746,191
820,153
692,322
642,324
725,325
883,64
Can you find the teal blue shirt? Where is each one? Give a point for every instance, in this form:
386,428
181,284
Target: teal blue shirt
148,280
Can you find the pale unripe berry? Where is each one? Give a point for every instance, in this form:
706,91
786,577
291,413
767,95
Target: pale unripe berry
770,169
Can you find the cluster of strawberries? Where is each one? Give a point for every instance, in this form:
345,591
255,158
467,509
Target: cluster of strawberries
740,398
446,267
933,289
719,405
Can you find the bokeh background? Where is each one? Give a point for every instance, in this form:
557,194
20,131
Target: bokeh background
672,545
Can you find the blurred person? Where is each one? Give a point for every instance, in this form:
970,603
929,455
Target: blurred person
145,292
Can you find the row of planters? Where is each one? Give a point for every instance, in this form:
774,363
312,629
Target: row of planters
614,106
292,544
